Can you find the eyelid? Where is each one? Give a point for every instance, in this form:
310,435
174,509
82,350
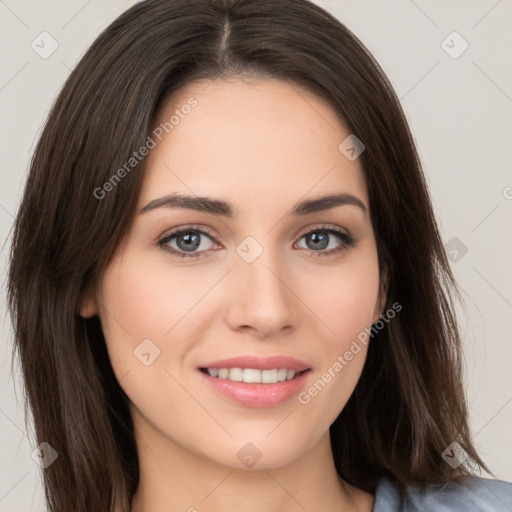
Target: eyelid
322,227
166,238
346,239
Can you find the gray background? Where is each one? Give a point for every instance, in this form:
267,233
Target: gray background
459,110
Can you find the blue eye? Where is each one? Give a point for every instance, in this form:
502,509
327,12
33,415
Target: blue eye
188,241
321,238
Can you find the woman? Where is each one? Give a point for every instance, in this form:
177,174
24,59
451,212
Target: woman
227,284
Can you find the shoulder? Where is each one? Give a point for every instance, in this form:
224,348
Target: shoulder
475,494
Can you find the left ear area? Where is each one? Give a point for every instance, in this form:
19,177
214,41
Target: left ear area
88,306
381,300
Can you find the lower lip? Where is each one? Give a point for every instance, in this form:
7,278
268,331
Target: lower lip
257,395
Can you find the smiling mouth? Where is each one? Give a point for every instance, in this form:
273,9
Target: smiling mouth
253,375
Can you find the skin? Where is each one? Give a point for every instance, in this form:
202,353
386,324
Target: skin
262,145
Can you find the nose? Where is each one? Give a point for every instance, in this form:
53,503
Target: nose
262,299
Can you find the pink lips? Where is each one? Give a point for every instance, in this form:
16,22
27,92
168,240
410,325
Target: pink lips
258,395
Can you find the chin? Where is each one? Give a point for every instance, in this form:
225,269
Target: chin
259,454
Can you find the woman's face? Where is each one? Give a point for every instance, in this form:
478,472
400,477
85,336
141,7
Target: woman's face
264,281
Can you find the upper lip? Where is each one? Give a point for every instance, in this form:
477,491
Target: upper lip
259,363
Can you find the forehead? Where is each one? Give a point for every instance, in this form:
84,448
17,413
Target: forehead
249,141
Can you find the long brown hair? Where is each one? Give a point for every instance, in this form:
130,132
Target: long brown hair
409,403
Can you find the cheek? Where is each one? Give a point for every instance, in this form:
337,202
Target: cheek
344,297
345,303
135,307
353,307
142,299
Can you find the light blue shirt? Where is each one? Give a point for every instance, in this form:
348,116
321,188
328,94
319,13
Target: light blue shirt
476,494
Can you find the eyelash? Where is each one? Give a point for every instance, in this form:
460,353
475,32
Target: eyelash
346,241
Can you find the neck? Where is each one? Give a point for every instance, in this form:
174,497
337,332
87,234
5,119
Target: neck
173,477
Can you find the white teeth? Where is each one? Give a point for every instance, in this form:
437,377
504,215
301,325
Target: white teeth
251,375
235,374
214,372
281,374
269,376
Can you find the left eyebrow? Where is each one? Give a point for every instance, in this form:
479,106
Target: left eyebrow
227,209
